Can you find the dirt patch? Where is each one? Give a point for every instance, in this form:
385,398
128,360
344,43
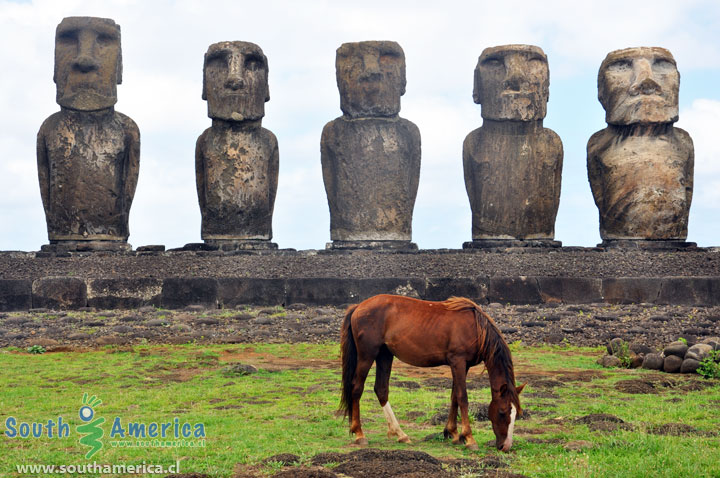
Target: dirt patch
635,386
678,429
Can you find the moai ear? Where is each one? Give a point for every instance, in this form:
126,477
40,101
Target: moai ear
476,83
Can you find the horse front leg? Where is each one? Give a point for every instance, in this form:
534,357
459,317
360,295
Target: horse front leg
459,372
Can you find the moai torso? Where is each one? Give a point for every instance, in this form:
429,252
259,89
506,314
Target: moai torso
88,154
84,160
236,159
640,167
371,169
512,165
370,156
237,178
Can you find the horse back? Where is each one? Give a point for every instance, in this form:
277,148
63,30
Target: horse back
418,332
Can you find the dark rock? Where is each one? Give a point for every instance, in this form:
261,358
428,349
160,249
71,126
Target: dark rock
16,321
630,290
689,365
131,318
207,321
508,330
617,346
297,306
609,361
241,369
605,318
640,349
122,329
151,248
672,364
698,352
179,292
533,323
285,459
263,321
157,322
124,293
15,294
59,293
653,361
677,349
555,338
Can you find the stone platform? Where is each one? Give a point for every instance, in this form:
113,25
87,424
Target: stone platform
175,279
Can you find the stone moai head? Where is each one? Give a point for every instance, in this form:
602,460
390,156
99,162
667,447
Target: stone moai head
235,81
88,63
371,78
512,82
639,85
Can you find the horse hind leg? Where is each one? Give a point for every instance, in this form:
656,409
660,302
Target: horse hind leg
383,367
361,373
451,430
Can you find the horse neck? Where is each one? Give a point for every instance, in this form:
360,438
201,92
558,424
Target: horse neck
500,370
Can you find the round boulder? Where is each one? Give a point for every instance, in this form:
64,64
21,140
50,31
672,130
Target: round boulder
609,361
653,362
698,352
678,349
689,366
616,346
640,349
712,341
672,364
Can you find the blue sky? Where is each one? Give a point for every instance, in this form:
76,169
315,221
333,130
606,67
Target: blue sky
163,47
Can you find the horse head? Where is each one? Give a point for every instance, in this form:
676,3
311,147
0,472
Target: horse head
504,408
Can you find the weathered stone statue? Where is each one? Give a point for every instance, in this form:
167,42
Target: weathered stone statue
236,159
513,166
88,154
371,156
641,167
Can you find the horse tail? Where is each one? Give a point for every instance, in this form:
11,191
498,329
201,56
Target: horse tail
349,363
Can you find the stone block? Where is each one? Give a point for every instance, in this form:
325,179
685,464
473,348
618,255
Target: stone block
570,290
690,291
124,293
329,291
514,290
440,288
180,292
15,294
240,290
631,290
59,293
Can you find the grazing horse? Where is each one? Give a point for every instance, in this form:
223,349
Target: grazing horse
455,332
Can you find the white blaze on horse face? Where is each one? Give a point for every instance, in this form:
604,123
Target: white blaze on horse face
511,429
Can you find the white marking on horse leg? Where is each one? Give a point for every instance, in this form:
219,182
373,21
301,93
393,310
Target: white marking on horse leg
509,439
393,425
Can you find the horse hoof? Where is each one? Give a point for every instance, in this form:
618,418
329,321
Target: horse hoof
405,439
472,446
362,442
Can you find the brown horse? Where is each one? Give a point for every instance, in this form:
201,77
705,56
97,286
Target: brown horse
455,332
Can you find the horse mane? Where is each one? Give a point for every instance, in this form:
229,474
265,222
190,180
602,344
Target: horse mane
493,349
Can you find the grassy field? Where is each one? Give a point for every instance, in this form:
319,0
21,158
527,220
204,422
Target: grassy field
289,405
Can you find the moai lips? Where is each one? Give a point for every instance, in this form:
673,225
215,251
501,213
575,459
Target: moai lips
512,164
88,154
370,156
640,167
236,159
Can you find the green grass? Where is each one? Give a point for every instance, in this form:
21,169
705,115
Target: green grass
289,407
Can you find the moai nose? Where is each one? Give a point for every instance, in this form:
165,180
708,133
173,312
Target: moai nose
371,68
514,76
235,82
85,64
644,79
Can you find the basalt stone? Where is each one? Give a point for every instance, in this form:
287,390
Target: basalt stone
689,365
124,293
699,352
672,364
512,164
653,361
370,156
609,361
640,349
59,293
640,167
677,349
15,294
87,154
236,159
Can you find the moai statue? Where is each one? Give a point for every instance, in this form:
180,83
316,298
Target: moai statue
236,159
88,154
513,166
370,155
641,167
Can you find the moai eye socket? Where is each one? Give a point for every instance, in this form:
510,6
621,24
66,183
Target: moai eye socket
86,413
254,63
493,62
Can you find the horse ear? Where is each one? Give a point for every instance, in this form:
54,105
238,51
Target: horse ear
520,388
